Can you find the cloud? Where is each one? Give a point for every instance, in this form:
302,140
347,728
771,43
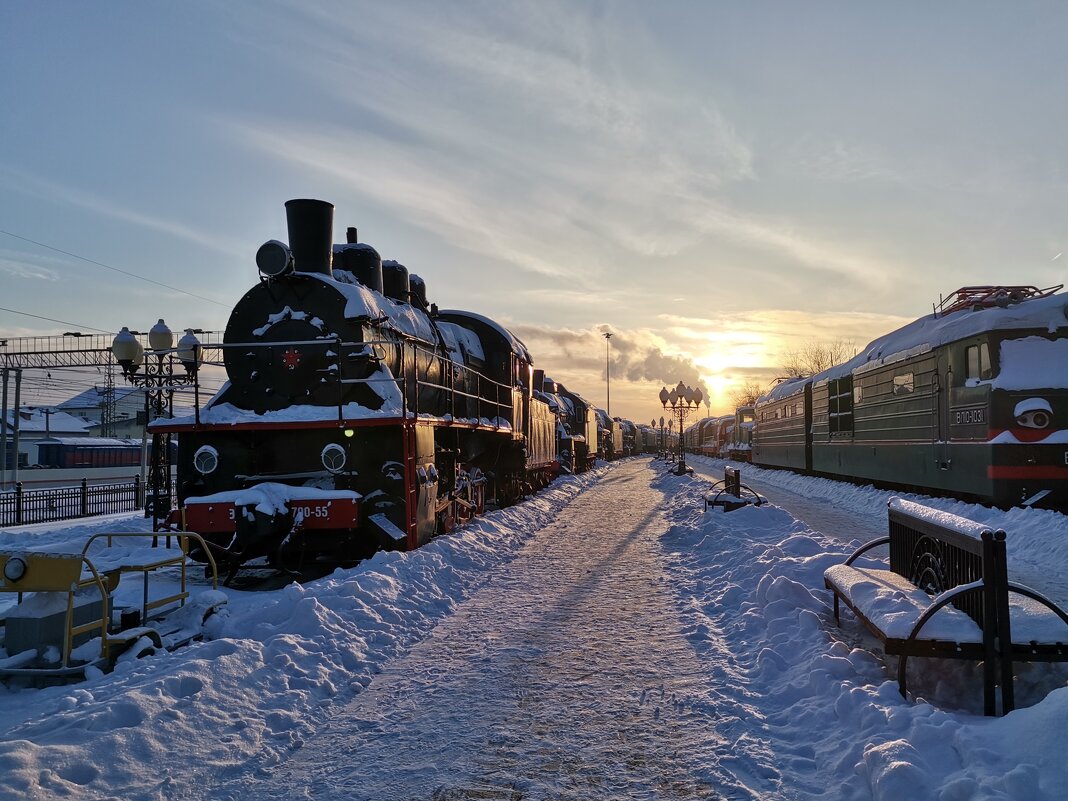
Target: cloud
634,355
44,188
843,162
31,271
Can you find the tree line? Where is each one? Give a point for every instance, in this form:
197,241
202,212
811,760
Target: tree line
808,358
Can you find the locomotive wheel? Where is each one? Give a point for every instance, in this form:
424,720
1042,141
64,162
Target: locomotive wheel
284,561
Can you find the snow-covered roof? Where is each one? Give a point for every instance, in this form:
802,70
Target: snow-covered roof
456,335
95,442
931,331
784,389
35,419
93,398
1048,314
517,346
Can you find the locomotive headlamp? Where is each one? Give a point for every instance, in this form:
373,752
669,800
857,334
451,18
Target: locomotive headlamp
1033,413
206,459
14,568
274,258
349,432
333,457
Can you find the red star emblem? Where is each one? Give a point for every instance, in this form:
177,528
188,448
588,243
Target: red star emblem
291,358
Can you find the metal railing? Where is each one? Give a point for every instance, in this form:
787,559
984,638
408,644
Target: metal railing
21,507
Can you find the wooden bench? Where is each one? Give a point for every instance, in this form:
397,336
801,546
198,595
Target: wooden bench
731,493
946,594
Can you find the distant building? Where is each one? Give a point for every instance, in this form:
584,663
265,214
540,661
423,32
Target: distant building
128,418
36,424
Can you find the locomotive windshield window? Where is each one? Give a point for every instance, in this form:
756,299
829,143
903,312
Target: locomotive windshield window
985,370
978,362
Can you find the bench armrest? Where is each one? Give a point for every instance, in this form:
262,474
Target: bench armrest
942,600
867,547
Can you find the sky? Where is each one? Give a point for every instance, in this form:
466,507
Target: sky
713,183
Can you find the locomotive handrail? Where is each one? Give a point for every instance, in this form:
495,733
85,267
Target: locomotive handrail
493,399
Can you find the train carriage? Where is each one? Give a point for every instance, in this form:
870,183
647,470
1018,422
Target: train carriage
970,400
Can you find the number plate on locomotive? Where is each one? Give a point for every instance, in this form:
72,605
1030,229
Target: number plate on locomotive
332,513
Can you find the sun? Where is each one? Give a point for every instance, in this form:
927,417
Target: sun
717,389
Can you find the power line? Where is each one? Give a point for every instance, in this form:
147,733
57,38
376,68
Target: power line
52,319
114,269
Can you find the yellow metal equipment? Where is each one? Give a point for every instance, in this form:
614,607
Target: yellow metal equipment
78,590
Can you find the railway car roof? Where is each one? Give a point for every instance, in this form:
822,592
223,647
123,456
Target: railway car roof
91,442
517,346
931,331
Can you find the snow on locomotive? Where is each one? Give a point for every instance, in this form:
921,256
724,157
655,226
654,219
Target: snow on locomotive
356,417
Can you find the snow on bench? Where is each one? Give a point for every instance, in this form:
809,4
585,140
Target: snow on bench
731,493
946,594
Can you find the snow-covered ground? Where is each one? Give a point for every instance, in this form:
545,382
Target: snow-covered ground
775,701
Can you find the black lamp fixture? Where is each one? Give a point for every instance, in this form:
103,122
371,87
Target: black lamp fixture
682,400
153,370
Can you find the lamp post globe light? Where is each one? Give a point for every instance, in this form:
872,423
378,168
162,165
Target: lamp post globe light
153,371
682,400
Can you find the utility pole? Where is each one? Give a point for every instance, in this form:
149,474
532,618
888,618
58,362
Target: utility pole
608,371
18,424
3,437
107,406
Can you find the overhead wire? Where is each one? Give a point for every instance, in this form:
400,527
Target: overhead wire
113,269
54,320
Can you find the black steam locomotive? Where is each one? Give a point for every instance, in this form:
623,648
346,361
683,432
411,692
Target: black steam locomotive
356,416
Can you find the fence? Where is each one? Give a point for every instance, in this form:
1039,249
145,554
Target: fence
20,506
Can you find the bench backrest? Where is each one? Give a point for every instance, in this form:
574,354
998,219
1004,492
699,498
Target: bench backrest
732,479
937,551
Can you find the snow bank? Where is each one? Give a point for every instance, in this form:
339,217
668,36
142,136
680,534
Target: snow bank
175,724
750,587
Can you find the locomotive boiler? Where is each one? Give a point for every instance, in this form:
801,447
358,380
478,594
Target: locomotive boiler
356,416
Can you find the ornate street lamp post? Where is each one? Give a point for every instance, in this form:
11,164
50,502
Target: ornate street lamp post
663,442
154,372
681,400
608,371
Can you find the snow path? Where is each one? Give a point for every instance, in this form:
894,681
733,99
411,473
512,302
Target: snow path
850,526
566,676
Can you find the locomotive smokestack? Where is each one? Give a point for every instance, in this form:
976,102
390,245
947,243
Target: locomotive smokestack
351,237
311,235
